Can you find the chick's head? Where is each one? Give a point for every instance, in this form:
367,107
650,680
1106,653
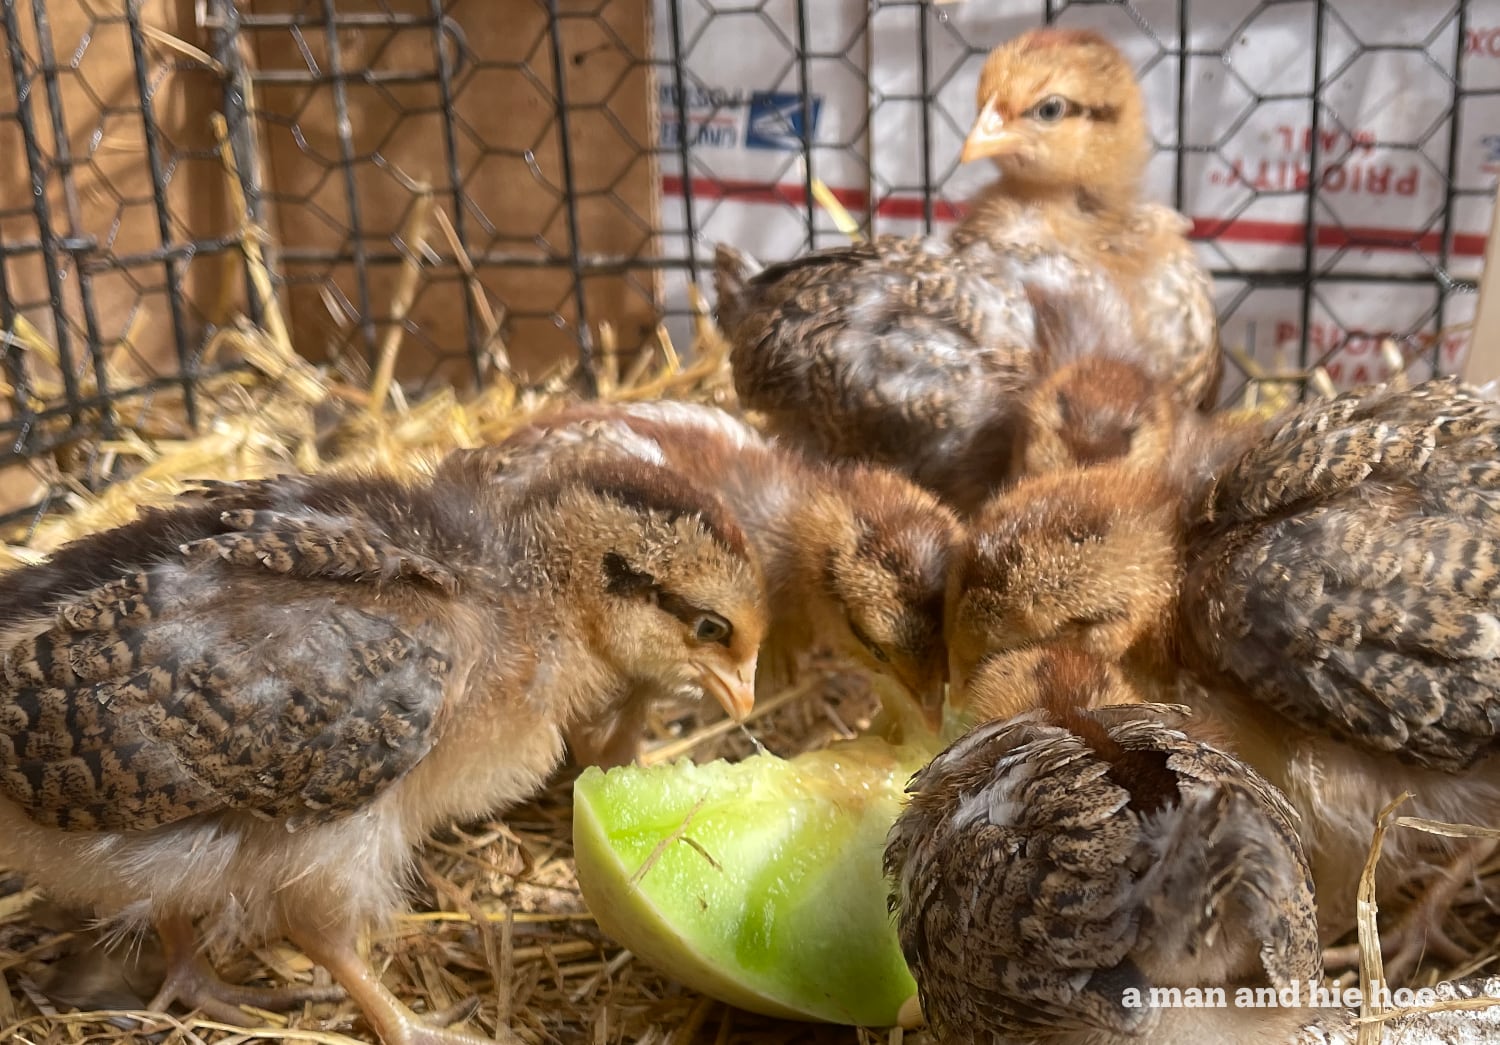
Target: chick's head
1154,859
658,576
1060,107
1087,559
879,547
1061,679
1095,410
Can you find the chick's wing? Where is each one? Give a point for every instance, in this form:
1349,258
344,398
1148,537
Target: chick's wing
1346,572
262,668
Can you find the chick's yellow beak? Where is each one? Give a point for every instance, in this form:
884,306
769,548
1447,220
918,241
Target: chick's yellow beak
991,135
927,689
958,687
932,707
732,687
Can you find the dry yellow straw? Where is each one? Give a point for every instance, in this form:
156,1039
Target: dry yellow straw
1372,1010
249,239
842,219
1322,383
414,235
494,343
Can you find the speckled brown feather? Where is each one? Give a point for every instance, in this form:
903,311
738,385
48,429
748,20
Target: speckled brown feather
899,351
145,703
1041,869
1348,573
185,686
317,548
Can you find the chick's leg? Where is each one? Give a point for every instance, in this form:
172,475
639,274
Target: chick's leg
1420,931
615,743
192,982
392,1021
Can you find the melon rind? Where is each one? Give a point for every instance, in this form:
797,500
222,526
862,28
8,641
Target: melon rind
777,904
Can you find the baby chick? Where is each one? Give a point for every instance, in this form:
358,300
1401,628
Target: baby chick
247,708
1086,557
919,354
1052,869
1097,395
1062,118
1333,590
1050,863
855,556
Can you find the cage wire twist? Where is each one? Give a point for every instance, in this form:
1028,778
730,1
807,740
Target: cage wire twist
565,150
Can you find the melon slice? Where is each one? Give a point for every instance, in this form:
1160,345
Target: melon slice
758,882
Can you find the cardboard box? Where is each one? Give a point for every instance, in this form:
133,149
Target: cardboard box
505,155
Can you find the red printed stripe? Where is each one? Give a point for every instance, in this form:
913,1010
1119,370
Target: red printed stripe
1237,230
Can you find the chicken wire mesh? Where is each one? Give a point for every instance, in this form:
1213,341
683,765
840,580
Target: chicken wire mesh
582,156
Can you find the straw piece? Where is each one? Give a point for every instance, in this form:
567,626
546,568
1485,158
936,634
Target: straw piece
182,47
668,350
609,359
494,345
1371,964
249,240
260,352
414,235
842,219
1392,356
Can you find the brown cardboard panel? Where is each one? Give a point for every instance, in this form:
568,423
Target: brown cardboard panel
1483,362
507,153
105,199
102,202
320,178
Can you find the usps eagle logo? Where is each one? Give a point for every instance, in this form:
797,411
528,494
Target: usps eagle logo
776,120
1490,146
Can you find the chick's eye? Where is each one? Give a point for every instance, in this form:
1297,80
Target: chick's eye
712,628
869,643
1050,109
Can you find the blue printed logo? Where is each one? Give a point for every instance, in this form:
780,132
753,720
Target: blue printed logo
1491,162
776,120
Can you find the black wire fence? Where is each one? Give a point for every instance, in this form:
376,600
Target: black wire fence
1334,157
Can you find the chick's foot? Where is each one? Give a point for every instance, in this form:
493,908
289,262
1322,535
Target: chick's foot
391,1020
412,1031
192,983
1420,933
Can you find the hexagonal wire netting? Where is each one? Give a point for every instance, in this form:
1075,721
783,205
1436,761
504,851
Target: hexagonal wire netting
583,155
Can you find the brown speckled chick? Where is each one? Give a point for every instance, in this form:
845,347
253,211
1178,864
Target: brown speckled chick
249,707
921,354
855,556
1053,868
1335,589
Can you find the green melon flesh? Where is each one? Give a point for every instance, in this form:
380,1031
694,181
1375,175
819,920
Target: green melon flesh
777,903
